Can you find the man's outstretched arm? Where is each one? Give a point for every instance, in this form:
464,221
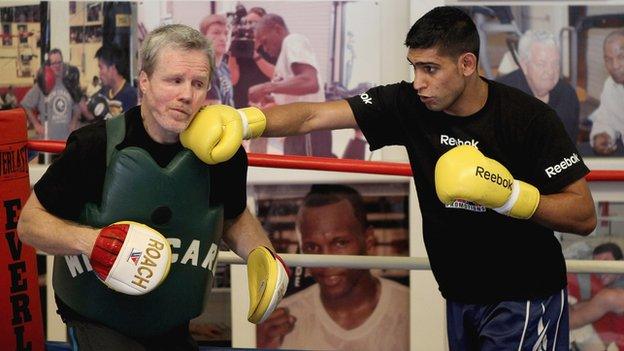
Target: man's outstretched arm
305,117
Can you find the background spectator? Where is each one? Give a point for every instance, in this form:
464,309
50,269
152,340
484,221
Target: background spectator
608,119
539,75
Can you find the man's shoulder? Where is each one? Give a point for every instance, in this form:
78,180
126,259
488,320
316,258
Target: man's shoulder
302,297
566,89
394,286
129,88
295,40
612,86
94,133
517,101
511,77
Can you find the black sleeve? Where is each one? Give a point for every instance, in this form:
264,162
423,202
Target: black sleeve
228,184
76,177
553,159
375,113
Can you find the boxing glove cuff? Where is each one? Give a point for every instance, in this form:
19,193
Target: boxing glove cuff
254,122
522,202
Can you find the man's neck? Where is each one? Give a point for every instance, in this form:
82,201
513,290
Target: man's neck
155,131
116,87
543,98
354,309
218,59
472,99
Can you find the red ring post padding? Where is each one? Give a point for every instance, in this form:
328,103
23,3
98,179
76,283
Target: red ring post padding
331,164
21,324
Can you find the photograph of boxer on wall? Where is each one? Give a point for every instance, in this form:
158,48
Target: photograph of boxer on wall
338,308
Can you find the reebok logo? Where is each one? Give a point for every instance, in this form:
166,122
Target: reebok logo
450,141
367,99
565,163
493,177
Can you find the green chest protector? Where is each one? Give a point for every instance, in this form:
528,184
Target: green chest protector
173,200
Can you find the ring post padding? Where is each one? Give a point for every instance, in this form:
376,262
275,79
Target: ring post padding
21,324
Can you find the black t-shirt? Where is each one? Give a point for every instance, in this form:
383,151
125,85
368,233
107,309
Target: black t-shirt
249,75
77,176
480,256
562,98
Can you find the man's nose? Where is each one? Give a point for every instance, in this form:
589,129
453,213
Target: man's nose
186,92
419,82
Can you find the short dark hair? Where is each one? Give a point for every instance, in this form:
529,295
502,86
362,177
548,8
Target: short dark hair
258,11
328,194
55,51
113,55
612,248
272,20
448,29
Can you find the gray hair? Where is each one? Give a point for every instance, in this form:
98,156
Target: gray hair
531,37
176,36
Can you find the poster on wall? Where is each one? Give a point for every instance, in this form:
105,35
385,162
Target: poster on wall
326,50
596,300
327,308
330,308
570,57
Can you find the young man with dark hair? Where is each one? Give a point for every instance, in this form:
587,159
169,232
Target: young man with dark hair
113,65
117,95
489,235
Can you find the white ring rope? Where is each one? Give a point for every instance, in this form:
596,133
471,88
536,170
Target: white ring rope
411,263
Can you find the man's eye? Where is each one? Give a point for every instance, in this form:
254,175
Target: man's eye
341,243
310,248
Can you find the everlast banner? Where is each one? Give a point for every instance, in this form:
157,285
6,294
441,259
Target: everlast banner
21,325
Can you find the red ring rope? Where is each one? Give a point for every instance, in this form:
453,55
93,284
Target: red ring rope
329,164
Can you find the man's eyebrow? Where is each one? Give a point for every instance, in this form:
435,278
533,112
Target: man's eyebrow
426,63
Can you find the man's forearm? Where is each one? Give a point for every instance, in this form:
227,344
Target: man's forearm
245,233
585,312
297,85
305,117
51,234
31,117
571,211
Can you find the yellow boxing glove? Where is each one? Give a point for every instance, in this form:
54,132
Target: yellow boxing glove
465,173
267,277
216,132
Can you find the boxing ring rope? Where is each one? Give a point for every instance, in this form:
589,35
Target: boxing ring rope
371,167
328,164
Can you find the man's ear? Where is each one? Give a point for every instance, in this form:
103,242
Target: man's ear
143,81
467,63
524,65
369,239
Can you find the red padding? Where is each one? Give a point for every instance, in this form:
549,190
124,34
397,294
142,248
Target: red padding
21,324
331,164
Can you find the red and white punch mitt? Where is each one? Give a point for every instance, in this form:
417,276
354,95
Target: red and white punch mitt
267,277
131,258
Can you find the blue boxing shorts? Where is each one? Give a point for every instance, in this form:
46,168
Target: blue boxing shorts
539,324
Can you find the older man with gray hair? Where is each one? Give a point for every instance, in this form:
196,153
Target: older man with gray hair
131,174
538,75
